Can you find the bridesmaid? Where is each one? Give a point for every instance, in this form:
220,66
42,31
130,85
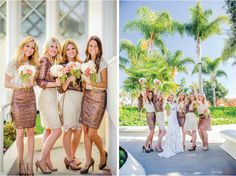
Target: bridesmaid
203,124
94,104
150,118
181,108
190,125
23,105
70,104
158,104
47,103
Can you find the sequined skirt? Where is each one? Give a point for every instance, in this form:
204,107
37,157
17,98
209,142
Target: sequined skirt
93,108
181,119
204,123
23,108
151,120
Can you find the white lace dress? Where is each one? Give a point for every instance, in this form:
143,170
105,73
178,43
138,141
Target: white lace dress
172,144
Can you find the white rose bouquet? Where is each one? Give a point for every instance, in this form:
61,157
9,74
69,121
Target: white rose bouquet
26,72
89,70
60,72
74,69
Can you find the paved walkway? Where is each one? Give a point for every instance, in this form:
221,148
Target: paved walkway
58,155
212,162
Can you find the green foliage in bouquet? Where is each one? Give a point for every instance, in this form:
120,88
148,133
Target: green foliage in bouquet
93,77
167,107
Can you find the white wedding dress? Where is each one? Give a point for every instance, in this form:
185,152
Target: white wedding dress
172,144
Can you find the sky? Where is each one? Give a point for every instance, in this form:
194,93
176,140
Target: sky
179,11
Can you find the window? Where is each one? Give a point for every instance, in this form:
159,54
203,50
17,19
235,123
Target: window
33,17
2,17
72,18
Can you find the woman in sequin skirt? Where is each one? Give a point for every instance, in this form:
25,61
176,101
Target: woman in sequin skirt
204,121
70,105
23,106
48,103
150,119
94,104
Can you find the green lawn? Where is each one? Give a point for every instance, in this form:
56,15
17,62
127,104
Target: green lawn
129,116
38,128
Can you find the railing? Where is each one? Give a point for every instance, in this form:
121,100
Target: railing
2,115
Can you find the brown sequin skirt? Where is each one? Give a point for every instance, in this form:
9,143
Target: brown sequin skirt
151,120
93,108
204,123
23,108
181,119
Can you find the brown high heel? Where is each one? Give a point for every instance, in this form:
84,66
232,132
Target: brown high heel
30,170
39,165
101,166
85,170
22,170
69,164
51,168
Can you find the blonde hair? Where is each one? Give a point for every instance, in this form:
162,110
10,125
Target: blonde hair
171,94
204,97
181,93
19,54
48,43
64,49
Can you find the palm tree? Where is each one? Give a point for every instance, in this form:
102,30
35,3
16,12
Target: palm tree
210,67
229,50
178,62
133,52
153,25
201,27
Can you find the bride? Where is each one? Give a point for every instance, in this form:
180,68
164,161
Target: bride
172,144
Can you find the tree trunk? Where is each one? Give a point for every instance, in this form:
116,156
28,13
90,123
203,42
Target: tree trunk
198,50
140,104
214,94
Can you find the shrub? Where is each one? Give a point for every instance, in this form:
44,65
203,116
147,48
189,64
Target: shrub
129,116
9,134
122,156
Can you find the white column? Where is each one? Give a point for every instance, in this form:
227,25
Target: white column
52,12
109,39
95,18
109,29
13,27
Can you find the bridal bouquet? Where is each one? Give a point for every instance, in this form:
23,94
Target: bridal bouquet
142,82
74,69
181,107
167,107
195,108
26,72
156,81
60,72
89,69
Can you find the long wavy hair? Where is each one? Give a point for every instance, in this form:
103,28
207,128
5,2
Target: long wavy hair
19,54
189,100
57,59
150,100
100,51
204,98
179,100
64,49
